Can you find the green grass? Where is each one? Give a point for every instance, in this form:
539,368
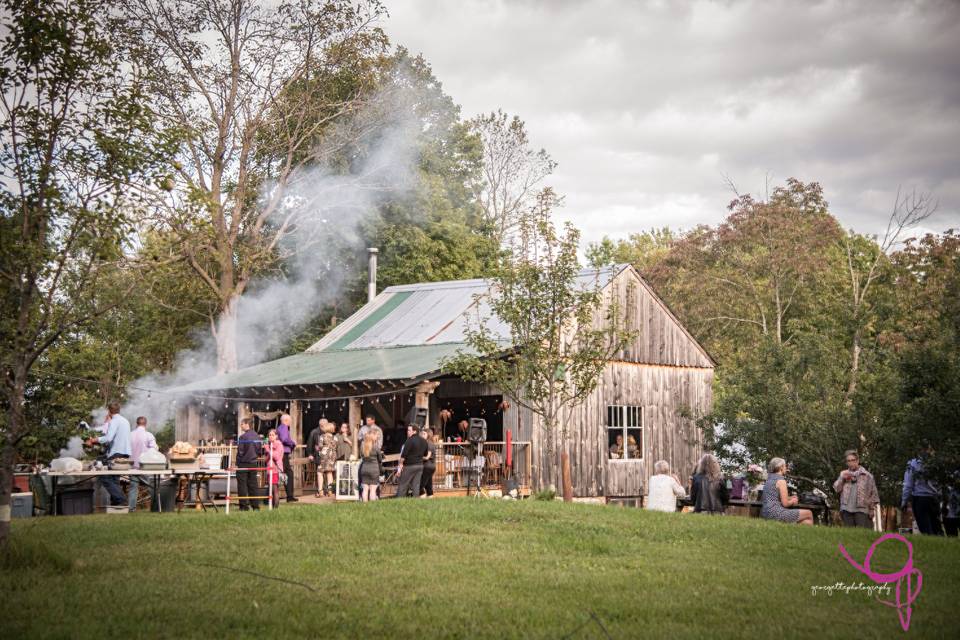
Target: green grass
453,569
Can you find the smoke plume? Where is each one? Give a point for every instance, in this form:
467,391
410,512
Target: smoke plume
330,209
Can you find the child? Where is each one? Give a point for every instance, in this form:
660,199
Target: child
274,464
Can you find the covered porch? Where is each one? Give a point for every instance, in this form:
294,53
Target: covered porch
347,386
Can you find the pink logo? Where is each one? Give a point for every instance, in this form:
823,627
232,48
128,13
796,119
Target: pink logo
905,593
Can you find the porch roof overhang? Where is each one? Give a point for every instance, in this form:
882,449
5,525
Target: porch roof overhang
406,364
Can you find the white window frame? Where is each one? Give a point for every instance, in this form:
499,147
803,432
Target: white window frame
626,417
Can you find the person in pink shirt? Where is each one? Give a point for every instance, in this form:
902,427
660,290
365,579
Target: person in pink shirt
274,464
140,441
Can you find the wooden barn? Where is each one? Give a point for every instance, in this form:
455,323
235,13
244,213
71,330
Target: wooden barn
386,359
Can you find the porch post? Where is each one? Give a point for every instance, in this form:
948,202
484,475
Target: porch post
423,392
354,417
296,421
181,428
193,423
296,433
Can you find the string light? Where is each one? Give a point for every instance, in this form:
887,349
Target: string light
214,397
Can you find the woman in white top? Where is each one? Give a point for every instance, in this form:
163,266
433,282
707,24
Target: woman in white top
664,488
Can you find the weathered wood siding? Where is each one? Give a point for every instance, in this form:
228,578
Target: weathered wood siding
661,338
664,370
671,397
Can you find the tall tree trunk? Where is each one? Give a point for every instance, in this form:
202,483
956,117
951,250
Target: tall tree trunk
855,350
8,455
226,336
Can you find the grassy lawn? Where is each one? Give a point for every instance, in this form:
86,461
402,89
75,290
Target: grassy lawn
454,569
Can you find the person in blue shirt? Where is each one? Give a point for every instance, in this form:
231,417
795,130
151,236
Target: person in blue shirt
289,447
922,496
117,440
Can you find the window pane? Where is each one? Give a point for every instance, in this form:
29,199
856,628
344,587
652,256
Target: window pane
634,440
615,440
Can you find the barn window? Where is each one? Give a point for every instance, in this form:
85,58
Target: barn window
625,432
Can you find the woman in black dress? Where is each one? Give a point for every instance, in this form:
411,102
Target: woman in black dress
371,469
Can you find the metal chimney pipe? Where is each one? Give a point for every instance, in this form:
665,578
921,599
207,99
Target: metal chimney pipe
372,274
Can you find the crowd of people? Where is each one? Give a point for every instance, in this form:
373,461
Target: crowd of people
935,511
855,487
326,445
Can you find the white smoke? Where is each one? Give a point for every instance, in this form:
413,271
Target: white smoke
74,449
329,209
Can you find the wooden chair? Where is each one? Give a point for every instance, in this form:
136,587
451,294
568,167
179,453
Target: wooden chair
493,466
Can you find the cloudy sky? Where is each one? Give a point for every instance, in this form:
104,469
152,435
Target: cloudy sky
647,106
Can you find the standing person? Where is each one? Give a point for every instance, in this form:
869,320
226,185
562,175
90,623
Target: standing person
313,452
275,459
345,442
411,465
371,469
664,489
371,426
117,437
429,465
248,449
289,446
328,457
410,431
708,489
140,441
922,496
463,431
858,493
777,503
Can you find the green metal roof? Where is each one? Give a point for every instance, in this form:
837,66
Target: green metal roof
328,367
379,314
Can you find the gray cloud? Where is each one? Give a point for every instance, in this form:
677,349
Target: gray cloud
647,105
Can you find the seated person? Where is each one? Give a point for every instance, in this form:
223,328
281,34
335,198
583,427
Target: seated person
777,503
616,449
708,489
664,489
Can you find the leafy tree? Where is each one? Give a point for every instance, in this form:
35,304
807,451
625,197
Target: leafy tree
76,134
928,344
866,262
256,90
561,335
434,231
512,172
642,250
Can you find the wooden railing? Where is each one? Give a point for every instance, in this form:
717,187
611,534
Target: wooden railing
454,460
453,464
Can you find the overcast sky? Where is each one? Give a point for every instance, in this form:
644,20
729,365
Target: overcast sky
646,106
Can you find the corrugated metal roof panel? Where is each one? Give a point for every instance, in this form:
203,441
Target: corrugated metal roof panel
328,367
370,320
428,313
